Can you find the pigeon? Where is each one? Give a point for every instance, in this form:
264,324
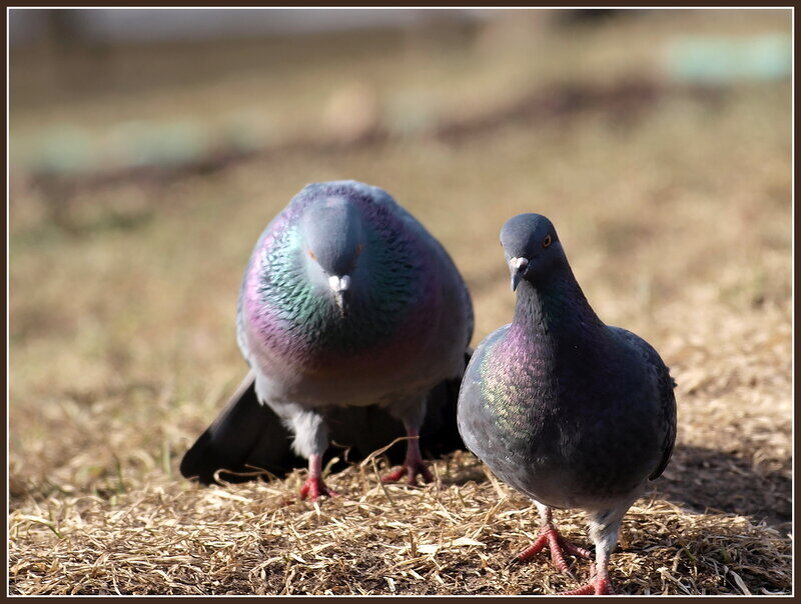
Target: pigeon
567,410
347,301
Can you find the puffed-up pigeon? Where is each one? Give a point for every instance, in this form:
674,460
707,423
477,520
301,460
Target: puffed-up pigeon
567,410
347,301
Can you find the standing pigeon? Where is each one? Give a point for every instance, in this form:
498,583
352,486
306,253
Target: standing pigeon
347,301
567,410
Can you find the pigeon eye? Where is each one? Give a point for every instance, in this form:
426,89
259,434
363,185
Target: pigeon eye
547,241
312,256
359,248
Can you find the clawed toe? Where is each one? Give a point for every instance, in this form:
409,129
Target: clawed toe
599,586
411,471
558,545
314,487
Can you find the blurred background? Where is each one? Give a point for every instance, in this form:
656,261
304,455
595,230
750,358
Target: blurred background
149,148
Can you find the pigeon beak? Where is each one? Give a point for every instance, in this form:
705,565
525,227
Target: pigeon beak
339,285
517,266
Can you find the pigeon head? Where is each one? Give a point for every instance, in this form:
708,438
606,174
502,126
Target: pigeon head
334,237
532,248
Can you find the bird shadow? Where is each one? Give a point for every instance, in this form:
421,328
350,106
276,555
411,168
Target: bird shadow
704,480
709,480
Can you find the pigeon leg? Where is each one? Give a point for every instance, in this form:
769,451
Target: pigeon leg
311,441
604,527
413,464
550,536
314,485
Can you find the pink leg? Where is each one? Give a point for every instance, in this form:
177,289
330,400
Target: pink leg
599,584
314,485
604,535
412,465
549,536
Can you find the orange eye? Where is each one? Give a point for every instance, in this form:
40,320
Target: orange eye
547,241
359,249
311,255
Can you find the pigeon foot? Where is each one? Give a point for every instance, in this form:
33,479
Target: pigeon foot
599,586
314,487
558,545
411,470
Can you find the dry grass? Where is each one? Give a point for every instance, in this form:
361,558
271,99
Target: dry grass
677,225
168,538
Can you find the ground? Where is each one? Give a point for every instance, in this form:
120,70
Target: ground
672,200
